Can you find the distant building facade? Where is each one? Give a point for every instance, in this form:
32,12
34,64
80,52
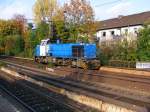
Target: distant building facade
122,27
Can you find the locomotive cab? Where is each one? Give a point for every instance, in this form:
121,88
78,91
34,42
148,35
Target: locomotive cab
42,51
44,47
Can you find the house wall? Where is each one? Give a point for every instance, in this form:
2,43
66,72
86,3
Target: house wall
131,29
118,33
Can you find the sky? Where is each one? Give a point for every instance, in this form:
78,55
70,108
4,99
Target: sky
104,9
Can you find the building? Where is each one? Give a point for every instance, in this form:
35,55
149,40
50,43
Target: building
122,27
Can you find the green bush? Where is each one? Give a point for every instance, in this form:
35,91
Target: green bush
50,65
143,50
13,45
2,64
119,50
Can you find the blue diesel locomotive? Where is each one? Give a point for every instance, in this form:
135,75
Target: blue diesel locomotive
72,54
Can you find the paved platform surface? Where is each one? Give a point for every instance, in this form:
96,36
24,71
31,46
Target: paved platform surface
8,104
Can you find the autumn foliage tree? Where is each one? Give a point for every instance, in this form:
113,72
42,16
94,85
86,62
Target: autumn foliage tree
44,10
44,13
80,15
12,35
72,22
20,22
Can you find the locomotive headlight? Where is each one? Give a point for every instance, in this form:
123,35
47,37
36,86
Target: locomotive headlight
54,60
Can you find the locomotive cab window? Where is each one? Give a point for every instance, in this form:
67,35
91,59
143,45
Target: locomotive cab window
78,51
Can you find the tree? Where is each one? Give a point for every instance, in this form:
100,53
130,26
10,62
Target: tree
20,22
79,13
8,27
45,10
44,13
144,44
118,52
61,30
13,44
74,21
14,35
42,31
10,37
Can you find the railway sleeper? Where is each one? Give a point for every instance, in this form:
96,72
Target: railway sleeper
39,104
113,97
102,93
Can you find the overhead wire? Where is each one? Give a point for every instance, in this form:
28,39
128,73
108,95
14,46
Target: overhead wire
108,3
103,4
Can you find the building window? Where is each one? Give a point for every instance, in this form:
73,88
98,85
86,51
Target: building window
104,34
112,33
135,30
126,31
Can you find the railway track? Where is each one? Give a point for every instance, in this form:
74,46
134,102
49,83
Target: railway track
141,103
133,83
107,93
81,71
32,100
93,73
126,77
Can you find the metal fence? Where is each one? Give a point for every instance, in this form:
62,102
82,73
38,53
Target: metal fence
122,64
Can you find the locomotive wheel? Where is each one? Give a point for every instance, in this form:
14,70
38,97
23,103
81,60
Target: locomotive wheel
84,66
35,59
95,64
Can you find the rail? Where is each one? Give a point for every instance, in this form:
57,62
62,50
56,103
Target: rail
31,99
106,94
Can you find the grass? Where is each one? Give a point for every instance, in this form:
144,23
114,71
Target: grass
40,66
92,111
2,64
50,65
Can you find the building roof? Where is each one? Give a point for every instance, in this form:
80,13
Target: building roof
124,21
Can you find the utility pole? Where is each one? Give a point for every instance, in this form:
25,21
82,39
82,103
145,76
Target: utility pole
52,29
64,30
65,19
